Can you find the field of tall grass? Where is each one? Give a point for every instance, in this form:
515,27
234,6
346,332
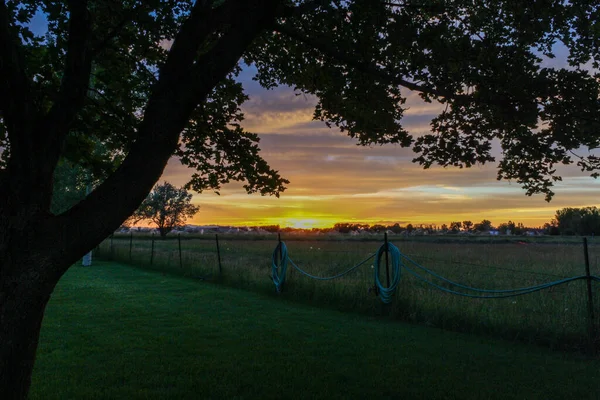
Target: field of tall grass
555,317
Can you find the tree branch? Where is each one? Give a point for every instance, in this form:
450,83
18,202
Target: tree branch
115,110
303,8
128,16
366,67
101,45
15,102
47,135
230,45
168,110
404,5
78,68
192,34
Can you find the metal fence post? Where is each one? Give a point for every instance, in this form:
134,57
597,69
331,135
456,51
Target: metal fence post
152,250
387,264
179,241
590,299
218,255
280,260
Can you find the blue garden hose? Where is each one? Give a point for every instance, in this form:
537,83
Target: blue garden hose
385,293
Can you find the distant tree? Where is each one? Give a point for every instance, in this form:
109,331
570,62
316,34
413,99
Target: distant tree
512,228
271,228
484,226
467,225
590,221
455,226
578,221
396,228
430,229
444,228
551,228
410,228
377,228
342,227
519,229
166,206
569,221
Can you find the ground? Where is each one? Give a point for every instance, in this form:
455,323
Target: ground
113,331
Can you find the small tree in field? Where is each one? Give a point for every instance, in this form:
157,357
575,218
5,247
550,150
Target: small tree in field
166,206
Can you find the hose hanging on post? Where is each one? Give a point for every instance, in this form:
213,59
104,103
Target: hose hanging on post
279,276
399,260
386,293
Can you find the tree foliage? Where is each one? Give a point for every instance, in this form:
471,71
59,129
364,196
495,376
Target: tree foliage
455,226
484,226
166,206
70,186
578,221
484,63
512,228
467,225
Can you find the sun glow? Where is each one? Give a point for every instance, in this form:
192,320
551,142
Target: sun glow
305,223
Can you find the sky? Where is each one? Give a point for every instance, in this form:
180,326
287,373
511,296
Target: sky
334,180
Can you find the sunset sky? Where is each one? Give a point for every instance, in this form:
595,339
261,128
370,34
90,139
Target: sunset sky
334,180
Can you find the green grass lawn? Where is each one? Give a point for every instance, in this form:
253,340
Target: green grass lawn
116,332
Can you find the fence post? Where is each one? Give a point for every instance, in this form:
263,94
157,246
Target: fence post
219,255
130,245
152,250
179,241
387,264
280,260
590,299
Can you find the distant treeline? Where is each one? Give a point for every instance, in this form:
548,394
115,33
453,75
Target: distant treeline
567,221
575,221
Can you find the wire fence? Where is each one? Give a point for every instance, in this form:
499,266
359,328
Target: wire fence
563,316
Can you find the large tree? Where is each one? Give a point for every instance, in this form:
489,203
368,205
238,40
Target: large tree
578,221
167,207
146,80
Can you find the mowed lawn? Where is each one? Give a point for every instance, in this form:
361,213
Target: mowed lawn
116,332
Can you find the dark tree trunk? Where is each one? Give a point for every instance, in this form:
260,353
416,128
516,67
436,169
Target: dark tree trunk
22,304
163,232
